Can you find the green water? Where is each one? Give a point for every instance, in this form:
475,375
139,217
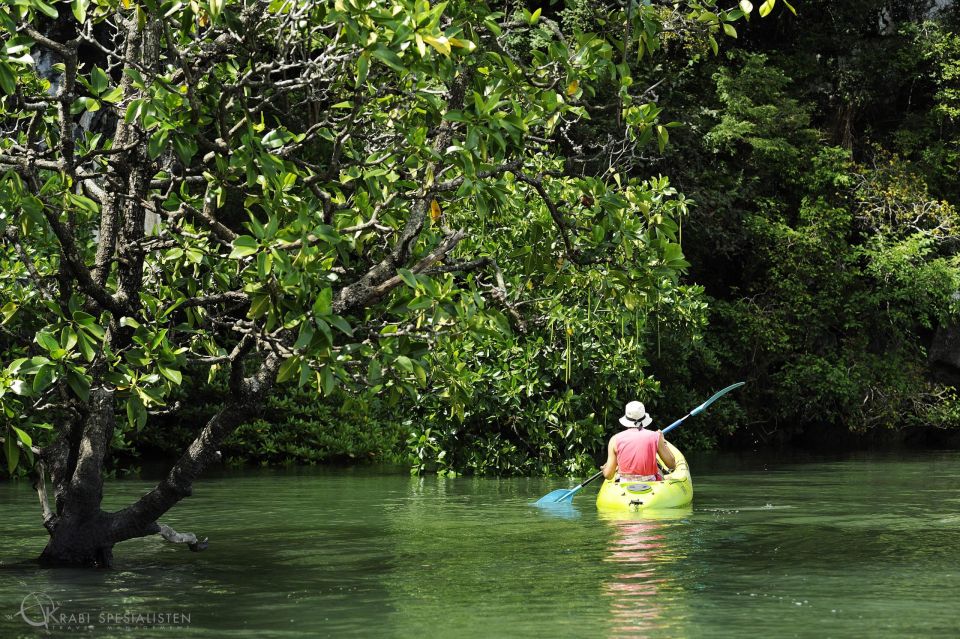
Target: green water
866,546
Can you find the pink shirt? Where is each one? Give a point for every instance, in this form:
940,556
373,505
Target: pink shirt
637,451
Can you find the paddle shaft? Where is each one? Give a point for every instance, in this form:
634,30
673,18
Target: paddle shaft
702,406
597,476
573,491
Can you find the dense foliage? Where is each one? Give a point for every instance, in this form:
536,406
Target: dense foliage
347,196
465,234
819,152
823,162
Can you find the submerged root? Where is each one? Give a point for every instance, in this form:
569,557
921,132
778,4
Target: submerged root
194,544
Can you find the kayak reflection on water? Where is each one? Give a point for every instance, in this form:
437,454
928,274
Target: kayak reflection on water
642,583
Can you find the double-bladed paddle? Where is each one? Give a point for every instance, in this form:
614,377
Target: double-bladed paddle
565,494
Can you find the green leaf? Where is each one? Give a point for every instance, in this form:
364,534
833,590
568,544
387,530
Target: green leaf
133,111
729,30
99,81
8,81
24,437
324,302
136,412
598,233
304,375
420,303
80,384
47,341
185,148
216,7
259,305
408,277
363,67
305,336
404,362
767,7
493,27
131,413
328,381
20,387
150,396
288,369
112,96
44,8
672,252
86,347
342,325
12,452
79,8
84,103
45,376
374,372
389,58
713,45
173,375
441,44
421,374
84,203
7,22
68,338
243,246
325,329
663,136
8,311
455,116
746,6
157,143
276,138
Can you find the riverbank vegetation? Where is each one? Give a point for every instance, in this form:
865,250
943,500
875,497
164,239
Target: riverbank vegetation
816,161
396,205
462,236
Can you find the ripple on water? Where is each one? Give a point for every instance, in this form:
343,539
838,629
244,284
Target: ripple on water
843,549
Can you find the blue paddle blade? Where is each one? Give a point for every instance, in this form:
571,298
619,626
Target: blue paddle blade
715,397
561,509
565,495
554,497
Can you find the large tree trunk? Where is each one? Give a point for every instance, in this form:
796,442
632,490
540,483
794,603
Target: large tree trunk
80,541
78,530
81,533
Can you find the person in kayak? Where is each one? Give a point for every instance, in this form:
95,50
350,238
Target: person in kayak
634,451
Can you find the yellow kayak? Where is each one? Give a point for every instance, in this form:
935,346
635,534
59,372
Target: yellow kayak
674,491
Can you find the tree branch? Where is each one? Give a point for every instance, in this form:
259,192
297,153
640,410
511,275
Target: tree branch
40,485
79,270
558,220
140,518
366,289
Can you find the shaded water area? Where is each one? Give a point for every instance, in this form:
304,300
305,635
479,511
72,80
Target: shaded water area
866,545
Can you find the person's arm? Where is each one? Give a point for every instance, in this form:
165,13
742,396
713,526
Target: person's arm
666,455
610,468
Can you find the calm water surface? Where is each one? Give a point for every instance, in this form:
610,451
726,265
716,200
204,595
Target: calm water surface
865,546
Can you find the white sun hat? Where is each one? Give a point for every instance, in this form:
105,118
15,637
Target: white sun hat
634,413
